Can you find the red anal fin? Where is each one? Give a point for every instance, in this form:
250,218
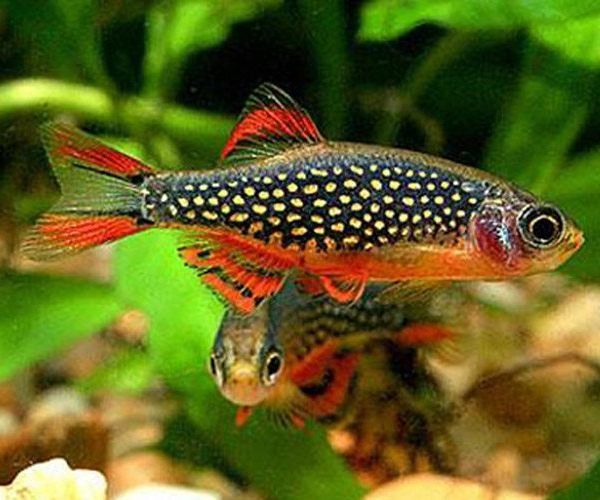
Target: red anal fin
242,284
270,123
311,285
67,145
56,234
423,334
346,290
234,297
255,253
242,415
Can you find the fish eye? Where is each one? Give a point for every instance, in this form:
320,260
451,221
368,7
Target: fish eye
272,367
542,227
213,366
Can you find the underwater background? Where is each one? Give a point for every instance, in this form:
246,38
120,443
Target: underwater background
508,86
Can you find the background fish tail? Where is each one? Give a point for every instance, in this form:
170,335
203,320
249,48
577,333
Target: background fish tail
101,195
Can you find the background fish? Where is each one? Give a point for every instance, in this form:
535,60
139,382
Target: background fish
298,357
342,214
355,369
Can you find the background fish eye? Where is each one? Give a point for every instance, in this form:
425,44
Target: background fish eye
214,368
272,367
542,226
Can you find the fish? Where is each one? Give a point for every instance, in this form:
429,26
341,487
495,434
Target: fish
297,357
285,202
398,417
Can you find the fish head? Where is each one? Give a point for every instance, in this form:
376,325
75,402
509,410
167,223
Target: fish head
246,360
517,234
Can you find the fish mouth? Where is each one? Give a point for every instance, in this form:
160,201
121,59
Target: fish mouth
574,242
578,240
244,389
571,245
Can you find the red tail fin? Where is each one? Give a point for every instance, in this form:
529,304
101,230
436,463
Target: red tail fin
66,145
57,234
101,195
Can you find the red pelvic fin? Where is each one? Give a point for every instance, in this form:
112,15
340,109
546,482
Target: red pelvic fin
67,145
423,334
227,272
324,377
270,123
313,364
57,234
297,421
341,372
242,415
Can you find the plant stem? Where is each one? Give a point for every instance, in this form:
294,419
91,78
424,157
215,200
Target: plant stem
326,28
191,127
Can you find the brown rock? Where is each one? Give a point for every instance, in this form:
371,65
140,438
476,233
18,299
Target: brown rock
80,439
435,487
131,326
137,469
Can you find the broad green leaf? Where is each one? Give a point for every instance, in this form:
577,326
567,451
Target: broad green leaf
387,19
178,28
183,314
578,39
287,464
326,26
541,121
579,178
184,317
39,315
63,38
128,372
587,487
577,190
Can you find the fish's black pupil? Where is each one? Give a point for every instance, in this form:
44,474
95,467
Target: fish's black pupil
544,228
273,365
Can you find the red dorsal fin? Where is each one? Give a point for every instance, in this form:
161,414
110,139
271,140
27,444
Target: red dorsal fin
270,123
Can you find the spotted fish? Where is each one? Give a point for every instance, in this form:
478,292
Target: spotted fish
297,357
339,215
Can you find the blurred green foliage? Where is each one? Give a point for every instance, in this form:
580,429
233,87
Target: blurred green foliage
42,314
511,82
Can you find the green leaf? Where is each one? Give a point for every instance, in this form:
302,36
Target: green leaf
387,19
287,464
326,27
579,178
63,38
184,315
577,190
39,315
542,120
179,28
128,372
587,487
578,39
